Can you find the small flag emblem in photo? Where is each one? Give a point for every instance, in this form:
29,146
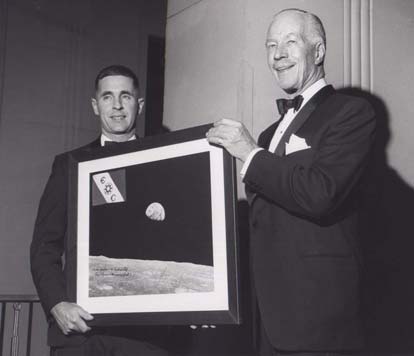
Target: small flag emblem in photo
108,188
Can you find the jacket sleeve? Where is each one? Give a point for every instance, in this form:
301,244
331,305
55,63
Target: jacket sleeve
317,187
47,246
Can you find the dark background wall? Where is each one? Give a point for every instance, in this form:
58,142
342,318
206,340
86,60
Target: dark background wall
50,53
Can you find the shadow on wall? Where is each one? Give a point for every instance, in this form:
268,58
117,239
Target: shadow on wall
388,246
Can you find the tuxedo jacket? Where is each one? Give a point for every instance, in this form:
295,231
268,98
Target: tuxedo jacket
47,248
304,225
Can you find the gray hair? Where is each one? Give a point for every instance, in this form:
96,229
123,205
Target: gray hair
315,31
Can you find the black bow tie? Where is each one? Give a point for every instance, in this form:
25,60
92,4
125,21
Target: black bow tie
283,105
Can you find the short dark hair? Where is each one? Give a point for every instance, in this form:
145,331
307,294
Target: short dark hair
117,69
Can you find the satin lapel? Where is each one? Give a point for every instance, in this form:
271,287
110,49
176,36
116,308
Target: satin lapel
302,116
267,135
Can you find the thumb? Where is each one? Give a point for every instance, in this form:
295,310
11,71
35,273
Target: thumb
85,315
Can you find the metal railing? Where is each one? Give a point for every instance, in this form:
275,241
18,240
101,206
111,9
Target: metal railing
17,301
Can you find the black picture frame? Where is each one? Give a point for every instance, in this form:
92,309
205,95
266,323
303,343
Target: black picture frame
178,265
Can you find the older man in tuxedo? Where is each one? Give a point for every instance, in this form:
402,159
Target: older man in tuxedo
303,181
117,104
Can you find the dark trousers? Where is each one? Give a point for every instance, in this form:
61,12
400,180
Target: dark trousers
104,345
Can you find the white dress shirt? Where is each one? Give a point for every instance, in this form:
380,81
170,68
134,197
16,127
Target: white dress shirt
286,121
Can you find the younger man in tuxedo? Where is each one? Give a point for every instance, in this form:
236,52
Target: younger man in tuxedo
303,180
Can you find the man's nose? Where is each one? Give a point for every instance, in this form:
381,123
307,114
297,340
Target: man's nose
117,103
280,52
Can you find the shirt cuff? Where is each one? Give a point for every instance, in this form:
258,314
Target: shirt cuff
248,160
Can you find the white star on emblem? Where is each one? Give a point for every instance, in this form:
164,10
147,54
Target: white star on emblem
108,188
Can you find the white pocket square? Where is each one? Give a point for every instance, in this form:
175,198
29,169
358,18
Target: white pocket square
295,144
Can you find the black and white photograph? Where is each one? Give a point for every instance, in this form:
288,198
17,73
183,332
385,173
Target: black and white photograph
152,238
206,177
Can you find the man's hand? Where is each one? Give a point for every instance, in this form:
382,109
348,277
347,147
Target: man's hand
233,136
71,317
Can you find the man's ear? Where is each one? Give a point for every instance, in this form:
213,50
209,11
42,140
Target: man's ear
95,106
141,102
319,53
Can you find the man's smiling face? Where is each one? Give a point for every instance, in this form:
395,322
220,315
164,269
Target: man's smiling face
117,105
291,56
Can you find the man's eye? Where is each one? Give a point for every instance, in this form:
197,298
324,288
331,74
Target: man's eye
270,45
106,97
126,97
291,42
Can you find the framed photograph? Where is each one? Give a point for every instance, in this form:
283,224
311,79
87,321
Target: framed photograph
152,235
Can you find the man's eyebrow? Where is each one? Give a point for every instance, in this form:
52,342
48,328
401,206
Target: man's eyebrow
288,35
127,92
294,34
106,92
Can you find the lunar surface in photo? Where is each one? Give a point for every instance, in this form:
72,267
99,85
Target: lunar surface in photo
122,277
